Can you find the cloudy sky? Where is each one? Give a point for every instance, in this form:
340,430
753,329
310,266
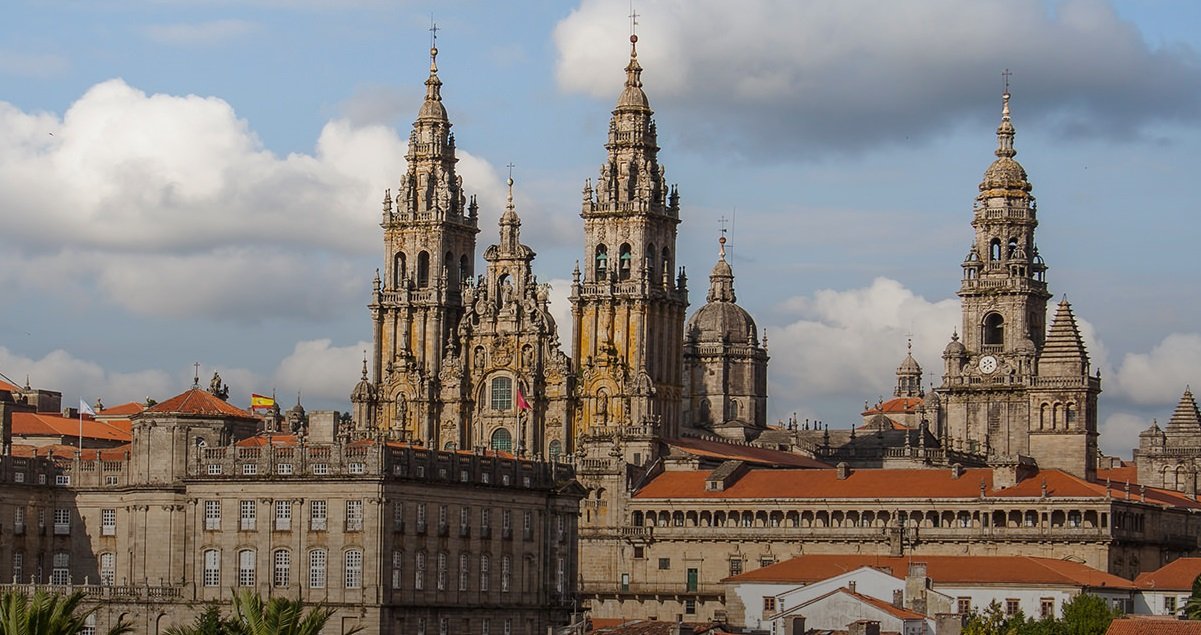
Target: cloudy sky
199,181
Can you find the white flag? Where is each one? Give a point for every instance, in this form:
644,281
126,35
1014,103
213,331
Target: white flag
84,408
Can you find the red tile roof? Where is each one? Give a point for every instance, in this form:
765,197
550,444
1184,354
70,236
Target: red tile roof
893,483
199,403
9,387
711,448
941,569
40,424
122,410
892,425
60,451
649,627
1118,475
1138,625
899,405
260,440
1177,575
895,611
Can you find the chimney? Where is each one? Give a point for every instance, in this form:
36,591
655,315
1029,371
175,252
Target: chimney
917,581
851,586
844,471
949,623
898,598
864,627
956,470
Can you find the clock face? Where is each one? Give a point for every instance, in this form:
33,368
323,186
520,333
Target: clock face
988,364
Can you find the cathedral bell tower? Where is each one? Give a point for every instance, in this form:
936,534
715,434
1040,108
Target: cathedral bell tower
628,303
429,250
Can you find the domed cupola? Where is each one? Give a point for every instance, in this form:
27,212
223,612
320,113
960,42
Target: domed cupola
909,376
721,319
1005,177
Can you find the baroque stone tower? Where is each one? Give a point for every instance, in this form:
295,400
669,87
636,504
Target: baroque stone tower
429,248
1007,388
628,303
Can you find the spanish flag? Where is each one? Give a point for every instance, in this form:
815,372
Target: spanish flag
522,404
259,401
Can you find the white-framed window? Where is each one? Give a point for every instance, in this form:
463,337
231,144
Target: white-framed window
247,515
464,518
108,522
506,573
281,568
318,559
486,626
464,570
110,480
62,521
320,469
502,393
444,626
353,562
358,468
19,520
354,515
485,518
398,516
283,469
527,525
62,480
212,568
18,477
420,517
250,469
485,573
60,574
283,515
421,626
214,469
398,564
508,627
246,567
212,515
318,513
18,565
440,578
89,625
108,568
419,571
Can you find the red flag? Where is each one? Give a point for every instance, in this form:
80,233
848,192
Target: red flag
522,404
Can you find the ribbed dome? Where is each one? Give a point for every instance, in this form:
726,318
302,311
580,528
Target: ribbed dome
633,96
1005,177
954,348
432,108
363,391
722,321
909,366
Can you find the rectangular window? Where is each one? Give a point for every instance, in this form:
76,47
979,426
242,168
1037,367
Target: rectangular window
108,522
506,573
354,569
283,515
108,568
527,526
317,515
1046,608
110,480
60,574
502,393
19,520
250,469
358,468
639,552
664,564
690,607
398,562
735,566
398,516
247,515
317,563
440,578
212,515
62,480
282,568
486,626
1012,606
766,562
214,469
1169,604
18,565
485,577
963,605
506,524
508,627
444,626
419,571
320,469
212,568
246,567
769,604
421,518
464,563
62,521
560,575
354,515
284,469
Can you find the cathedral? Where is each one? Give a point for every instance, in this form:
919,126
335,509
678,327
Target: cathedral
467,361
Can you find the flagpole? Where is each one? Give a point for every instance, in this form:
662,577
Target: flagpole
81,433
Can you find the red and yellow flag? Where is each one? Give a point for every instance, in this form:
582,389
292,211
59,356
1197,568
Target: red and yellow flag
259,401
522,404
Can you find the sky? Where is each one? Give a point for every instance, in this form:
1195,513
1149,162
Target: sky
199,181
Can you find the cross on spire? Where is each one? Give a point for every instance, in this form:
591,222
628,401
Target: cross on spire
196,377
633,19
433,32
1005,75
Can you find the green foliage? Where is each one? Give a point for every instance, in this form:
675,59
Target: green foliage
47,614
1083,615
1192,608
253,616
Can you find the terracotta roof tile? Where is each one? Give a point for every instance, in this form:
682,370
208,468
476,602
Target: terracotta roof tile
1177,575
898,405
260,440
36,424
122,410
711,448
893,483
941,569
9,387
199,403
1136,625
60,451
897,612
1124,474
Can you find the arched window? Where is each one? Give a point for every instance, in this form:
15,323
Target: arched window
602,262
464,269
502,440
419,571
624,262
506,573
399,270
1012,249
994,250
994,329
555,449
449,446
1043,416
246,567
502,393
650,262
212,568
108,568
485,573
317,563
281,568
353,569
423,269
452,273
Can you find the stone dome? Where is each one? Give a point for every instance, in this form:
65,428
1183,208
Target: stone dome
722,321
633,96
954,348
1005,174
909,366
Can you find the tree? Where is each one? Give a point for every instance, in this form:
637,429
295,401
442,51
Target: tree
48,614
208,622
253,616
1087,614
1192,608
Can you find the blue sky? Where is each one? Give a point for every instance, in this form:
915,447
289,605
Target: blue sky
199,180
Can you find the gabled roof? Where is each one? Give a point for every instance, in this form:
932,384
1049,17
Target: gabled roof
262,439
1142,625
60,451
40,424
9,387
895,483
1177,575
122,410
199,403
941,569
1124,474
895,611
711,448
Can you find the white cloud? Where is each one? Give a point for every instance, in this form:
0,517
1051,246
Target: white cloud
1119,433
1159,377
77,378
320,370
199,33
177,208
847,344
798,78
